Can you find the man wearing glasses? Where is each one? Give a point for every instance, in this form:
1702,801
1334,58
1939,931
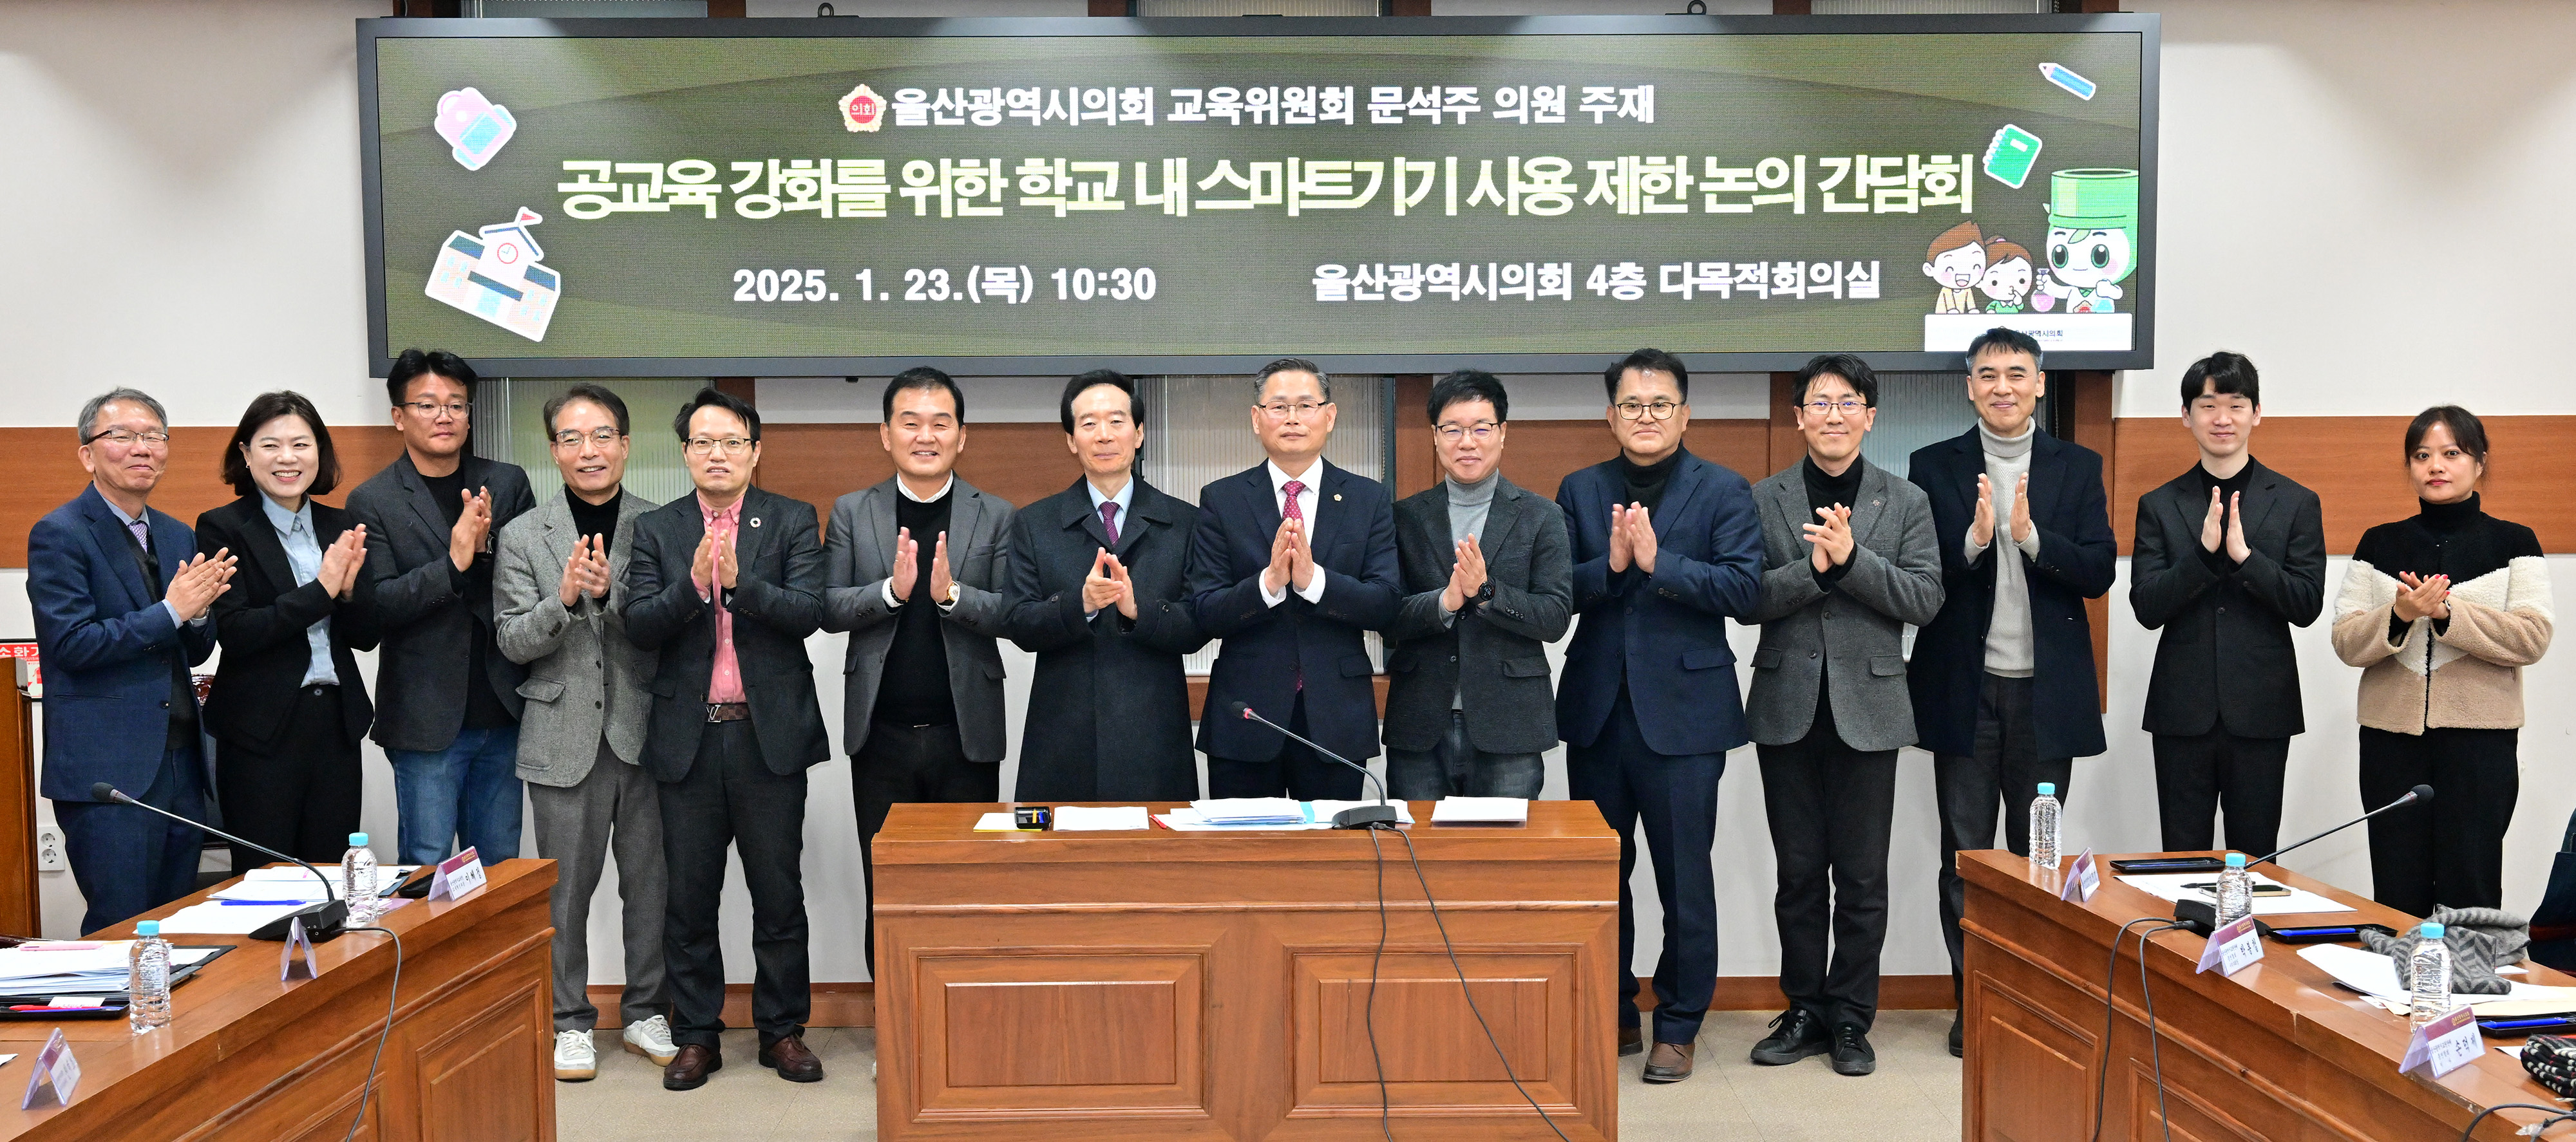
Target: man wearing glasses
1667,546
447,701
725,585
581,734
1488,586
120,600
1293,561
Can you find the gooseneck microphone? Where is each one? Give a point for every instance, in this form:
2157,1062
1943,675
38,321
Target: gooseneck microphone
1380,815
322,921
2202,916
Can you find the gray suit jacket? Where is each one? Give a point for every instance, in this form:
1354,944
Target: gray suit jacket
858,558
585,680
1494,655
424,606
1857,629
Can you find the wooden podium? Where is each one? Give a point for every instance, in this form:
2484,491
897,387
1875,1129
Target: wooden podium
2279,1051
1216,985
252,1058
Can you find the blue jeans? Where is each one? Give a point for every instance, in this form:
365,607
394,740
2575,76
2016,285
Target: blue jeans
1453,766
469,790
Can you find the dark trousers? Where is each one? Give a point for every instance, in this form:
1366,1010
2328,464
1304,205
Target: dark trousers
2449,854
127,861
1830,807
2197,776
910,765
1997,781
729,797
1297,771
1453,766
299,794
1675,798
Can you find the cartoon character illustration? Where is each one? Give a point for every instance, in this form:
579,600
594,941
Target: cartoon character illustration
2092,237
2008,277
493,274
1955,262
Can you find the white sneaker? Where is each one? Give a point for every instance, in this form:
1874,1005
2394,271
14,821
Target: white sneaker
575,1060
652,1039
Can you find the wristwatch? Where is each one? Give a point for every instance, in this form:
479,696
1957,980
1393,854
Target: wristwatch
951,600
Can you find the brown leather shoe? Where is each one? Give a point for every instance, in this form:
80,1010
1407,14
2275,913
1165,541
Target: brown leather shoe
793,1060
1669,1062
689,1069
1632,1040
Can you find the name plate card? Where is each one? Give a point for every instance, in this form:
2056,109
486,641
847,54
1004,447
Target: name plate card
2233,947
2448,1043
2083,879
456,876
56,1074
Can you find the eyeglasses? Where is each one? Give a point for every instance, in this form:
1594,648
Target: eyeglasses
1482,431
600,436
1660,410
127,439
421,408
1849,407
730,446
1280,410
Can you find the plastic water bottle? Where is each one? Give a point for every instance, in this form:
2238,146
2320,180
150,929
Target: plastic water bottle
2430,972
358,881
2043,827
147,982
2235,891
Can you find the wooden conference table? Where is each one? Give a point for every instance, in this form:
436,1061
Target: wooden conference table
249,1057
1216,985
2278,1051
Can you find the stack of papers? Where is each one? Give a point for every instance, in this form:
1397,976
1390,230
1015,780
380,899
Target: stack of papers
84,968
2375,975
1249,811
1307,815
1480,811
2170,886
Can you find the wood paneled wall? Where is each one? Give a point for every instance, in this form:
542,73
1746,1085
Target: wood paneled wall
819,463
42,470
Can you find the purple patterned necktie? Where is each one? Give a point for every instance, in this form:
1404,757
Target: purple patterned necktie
1109,520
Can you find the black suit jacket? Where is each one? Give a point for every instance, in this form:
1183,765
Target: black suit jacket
2233,622
1493,657
262,622
425,611
1268,648
2077,559
1109,708
776,600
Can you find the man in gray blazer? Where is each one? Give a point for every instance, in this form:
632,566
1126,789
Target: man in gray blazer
1488,581
1848,558
447,701
914,570
555,586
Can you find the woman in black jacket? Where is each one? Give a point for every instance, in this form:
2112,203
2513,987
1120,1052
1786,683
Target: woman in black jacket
288,707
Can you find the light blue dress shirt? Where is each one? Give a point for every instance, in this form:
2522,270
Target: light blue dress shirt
304,554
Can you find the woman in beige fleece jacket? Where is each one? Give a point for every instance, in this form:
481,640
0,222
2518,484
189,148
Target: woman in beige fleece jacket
2442,611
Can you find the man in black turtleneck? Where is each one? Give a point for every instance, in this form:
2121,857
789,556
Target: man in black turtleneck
2229,556
1666,546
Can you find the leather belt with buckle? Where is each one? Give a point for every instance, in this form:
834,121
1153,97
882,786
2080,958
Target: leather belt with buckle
728,711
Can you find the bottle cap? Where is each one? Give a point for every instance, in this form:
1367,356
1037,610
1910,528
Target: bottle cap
147,928
357,840
2047,789
2429,930
2236,860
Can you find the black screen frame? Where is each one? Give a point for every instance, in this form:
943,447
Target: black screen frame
2141,354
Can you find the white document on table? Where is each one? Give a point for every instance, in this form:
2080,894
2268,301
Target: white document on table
2372,973
1080,819
213,919
2169,886
1248,810
1480,811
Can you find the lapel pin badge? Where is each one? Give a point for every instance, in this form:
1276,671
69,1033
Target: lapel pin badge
755,521
1337,497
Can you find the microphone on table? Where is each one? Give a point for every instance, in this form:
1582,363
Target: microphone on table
2203,917
1380,815
322,921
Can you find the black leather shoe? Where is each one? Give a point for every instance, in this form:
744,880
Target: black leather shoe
689,1069
1795,1035
1632,1040
1670,1062
1959,1036
1852,1052
793,1060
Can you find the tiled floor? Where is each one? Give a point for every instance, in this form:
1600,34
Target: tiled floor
1914,1097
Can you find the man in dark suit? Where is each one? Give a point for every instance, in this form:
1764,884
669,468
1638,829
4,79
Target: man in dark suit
2229,557
725,584
1099,574
1488,585
1294,559
447,700
1667,547
2002,679
120,599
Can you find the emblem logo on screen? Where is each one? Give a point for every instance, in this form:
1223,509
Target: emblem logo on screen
475,126
494,274
862,109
